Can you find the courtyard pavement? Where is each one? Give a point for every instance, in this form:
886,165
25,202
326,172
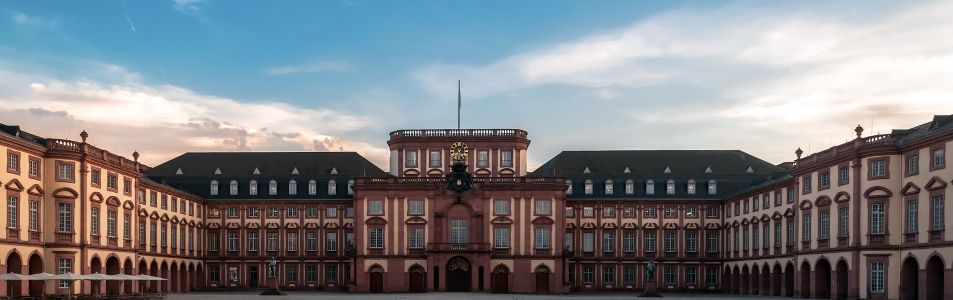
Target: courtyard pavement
248,295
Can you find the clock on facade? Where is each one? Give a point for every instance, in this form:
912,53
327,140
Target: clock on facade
458,151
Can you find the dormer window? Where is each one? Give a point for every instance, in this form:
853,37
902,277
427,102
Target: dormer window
588,187
253,187
691,187
670,187
213,188
569,189
233,188
609,187
292,187
629,187
332,187
272,187
712,187
312,187
350,187
650,187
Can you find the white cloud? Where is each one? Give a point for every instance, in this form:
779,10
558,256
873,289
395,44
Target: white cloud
23,20
314,67
164,120
188,6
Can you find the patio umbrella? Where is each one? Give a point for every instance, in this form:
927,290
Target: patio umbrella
149,277
122,276
69,277
99,276
14,276
40,276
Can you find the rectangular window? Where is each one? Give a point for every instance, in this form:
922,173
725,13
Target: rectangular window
375,207
232,241
777,234
824,228
937,223
711,275
34,215
311,241
501,207
806,183
501,238
911,216
843,222
877,277
506,158
711,212
587,241
331,273
755,237
252,241
410,158
691,274
877,215
766,236
568,240
777,198
12,212
310,273
64,218
34,168
415,238
292,212
669,212
111,223
64,172
331,240
588,212
213,274
608,242
292,240
628,241
628,212
670,274
587,274
542,207
939,160
790,233
331,212
349,212
483,159
375,238
252,212
878,168
608,274
312,212
806,227
272,241
459,233
670,242
292,274
649,212
825,179
542,238
65,266
213,240
711,242
416,207
112,181
608,212
649,242
435,158
913,165
628,274
691,242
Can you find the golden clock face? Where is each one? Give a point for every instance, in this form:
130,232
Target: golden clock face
458,151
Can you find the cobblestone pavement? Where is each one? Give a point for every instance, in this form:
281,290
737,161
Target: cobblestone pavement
242,295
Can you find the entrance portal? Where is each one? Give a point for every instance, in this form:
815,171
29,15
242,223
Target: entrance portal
501,282
458,275
542,279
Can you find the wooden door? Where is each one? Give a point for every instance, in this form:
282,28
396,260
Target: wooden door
501,283
542,279
377,282
458,275
417,282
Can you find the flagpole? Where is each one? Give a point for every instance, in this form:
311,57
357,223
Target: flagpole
459,102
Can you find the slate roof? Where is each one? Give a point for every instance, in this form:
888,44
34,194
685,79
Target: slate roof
939,125
270,164
15,131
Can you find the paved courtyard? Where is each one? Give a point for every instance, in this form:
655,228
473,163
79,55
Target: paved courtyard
438,296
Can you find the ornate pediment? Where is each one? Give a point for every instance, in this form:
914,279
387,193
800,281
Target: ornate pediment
630,225
416,220
877,192
312,225
370,221
502,220
670,226
935,183
806,204
272,225
609,225
233,225
691,225
842,197
822,201
14,185
35,190
252,225
910,188
291,225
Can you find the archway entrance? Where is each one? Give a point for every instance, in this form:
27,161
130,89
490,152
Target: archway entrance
934,278
805,291
173,279
776,280
542,279
736,281
755,281
745,280
417,279
95,266
909,284
377,279
36,266
458,275
789,280
253,276
822,279
841,281
127,284
14,265
112,268
501,280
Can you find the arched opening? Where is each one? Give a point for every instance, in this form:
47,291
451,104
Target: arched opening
163,285
458,275
805,291
417,279
789,280
776,280
765,280
95,266
173,278
14,265
822,279
909,279
755,280
191,282
934,278
840,284
745,280
112,268
736,281
501,279
726,281
183,278
542,278
200,278
37,288
376,279
127,284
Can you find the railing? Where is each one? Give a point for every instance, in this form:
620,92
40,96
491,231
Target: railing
375,251
865,143
842,241
34,236
877,239
457,133
482,180
112,241
458,247
64,237
92,151
501,251
13,234
936,235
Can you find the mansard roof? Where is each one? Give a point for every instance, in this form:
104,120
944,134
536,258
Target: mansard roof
939,124
653,163
235,165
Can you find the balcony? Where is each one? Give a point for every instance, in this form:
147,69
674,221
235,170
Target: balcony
64,237
460,247
457,133
878,239
375,251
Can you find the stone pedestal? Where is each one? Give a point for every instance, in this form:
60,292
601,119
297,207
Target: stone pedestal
272,289
651,290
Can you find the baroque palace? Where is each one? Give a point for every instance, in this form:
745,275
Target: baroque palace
458,210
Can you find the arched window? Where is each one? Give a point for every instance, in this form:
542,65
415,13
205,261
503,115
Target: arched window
629,187
569,189
609,187
350,185
712,187
292,187
332,187
272,187
650,187
670,187
691,187
253,187
213,188
312,187
233,188
588,187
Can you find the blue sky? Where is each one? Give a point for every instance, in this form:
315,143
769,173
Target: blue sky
165,77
